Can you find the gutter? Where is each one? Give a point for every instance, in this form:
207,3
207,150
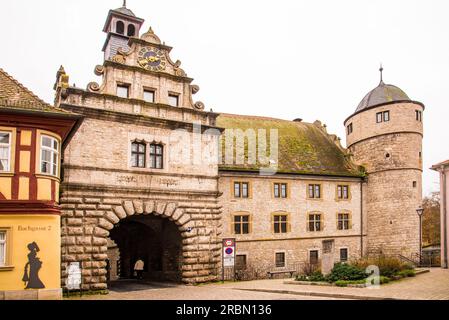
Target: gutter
361,219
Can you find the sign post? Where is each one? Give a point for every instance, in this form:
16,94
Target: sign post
228,255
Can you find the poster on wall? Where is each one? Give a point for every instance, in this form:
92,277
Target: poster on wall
73,281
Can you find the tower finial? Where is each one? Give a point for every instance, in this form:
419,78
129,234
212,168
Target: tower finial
124,3
381,73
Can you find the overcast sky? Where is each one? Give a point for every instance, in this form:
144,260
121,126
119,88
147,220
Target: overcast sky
285,59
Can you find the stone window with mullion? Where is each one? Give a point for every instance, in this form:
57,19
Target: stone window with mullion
241,189
241,224
156,156
280,190
280,223
138,154
315,222
343,192
344,221
314,191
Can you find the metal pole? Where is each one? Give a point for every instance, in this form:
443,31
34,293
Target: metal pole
420,239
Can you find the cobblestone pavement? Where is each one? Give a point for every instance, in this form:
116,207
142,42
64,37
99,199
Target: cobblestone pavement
433,285
429,286
132,290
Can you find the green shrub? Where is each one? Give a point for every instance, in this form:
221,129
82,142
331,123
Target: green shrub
301,278
317,276
345,283
343,271
407,273
382,280
388,266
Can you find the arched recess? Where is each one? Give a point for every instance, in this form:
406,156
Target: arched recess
137,208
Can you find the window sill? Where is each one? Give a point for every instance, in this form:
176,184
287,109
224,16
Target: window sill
47,176
7,268
7,174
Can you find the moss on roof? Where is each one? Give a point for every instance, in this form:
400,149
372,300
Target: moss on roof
304,148
15,96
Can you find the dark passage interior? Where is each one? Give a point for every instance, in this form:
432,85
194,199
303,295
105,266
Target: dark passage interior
154,240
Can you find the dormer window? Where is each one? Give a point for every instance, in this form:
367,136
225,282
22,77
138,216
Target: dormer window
123,91
173,100
120,27
131,30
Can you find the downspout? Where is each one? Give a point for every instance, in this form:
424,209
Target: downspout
444,210
361,218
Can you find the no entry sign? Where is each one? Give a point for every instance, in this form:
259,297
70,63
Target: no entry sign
228,252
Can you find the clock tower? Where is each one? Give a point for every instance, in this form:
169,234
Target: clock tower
121,24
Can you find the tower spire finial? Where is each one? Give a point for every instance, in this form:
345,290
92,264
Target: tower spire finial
124,3
381,69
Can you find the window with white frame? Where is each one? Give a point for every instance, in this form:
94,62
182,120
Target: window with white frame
49,155
2,248
5,151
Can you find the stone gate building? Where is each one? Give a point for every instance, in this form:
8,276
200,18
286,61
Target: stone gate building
146,178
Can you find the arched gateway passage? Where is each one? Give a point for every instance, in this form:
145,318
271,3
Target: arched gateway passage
156,241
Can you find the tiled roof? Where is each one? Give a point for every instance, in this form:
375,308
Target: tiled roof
441,164
14,95
304,148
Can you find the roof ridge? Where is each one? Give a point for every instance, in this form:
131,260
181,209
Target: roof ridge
31,93
257,117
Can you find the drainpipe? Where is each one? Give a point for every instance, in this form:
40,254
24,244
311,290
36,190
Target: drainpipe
361,218
444,210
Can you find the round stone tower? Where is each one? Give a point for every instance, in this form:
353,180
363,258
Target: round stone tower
385,136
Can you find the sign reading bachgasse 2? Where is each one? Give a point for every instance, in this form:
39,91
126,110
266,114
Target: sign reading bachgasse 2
228,252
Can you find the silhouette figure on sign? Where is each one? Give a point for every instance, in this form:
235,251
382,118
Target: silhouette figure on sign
31,272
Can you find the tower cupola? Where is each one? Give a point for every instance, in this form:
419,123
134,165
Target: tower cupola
121,24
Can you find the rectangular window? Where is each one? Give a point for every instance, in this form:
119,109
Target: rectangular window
386,116
344,221
173,100
418,115
343,255
343,192
280,259
138,155
280,223
314,257
149,96
241,224
2,248
314,191
350,129
280,190
240,262
5,151
315,223
379,117
241,190
123,91
49,155
156,156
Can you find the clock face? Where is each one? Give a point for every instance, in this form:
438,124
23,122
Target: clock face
152,59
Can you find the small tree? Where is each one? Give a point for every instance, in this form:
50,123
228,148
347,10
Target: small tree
431,220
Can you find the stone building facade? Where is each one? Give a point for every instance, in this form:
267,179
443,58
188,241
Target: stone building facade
131,160
385,136
146,176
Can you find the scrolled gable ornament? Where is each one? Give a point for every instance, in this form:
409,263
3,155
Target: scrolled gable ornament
199,106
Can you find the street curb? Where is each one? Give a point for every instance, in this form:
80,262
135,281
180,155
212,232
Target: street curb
319,294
